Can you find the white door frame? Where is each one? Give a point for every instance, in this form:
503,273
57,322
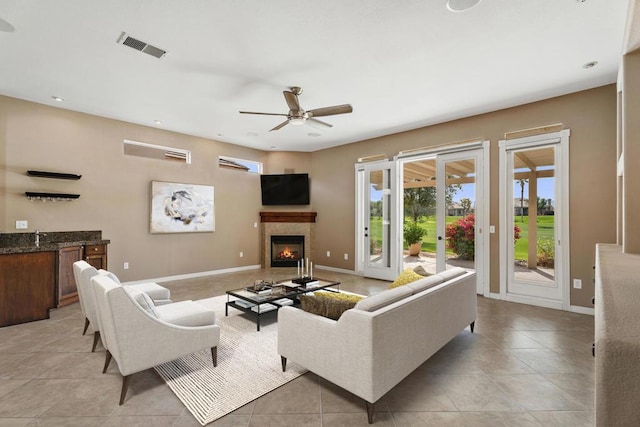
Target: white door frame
482,190
562,272
391,271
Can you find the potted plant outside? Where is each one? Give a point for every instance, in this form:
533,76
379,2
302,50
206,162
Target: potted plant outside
413,236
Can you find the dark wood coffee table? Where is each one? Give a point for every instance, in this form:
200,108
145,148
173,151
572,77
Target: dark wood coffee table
282,294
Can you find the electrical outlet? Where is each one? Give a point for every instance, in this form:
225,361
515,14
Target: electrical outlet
577,283
22,224
255,225
492,229
126,265
241,254
328,254
346,256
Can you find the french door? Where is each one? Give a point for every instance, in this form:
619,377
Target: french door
534,217
376,220
444,193
432,189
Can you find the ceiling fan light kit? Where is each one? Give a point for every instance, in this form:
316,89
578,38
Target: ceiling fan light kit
297,116
461,5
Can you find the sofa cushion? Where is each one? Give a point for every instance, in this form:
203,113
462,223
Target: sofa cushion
425,283
451,273
407,276
384,298
329,304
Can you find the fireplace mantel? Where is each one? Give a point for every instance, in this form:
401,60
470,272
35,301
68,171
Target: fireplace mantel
291,217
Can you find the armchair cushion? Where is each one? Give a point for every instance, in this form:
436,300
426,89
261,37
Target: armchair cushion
186,313
155,291
143,300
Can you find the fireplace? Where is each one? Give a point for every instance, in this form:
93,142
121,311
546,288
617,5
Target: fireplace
286,251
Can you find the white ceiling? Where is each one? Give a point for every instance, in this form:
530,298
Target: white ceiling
401,64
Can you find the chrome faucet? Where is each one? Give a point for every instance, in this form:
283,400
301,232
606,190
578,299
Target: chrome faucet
38,234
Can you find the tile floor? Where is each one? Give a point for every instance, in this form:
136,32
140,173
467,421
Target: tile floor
524,366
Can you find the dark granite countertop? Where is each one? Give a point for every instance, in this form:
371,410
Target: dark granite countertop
16,243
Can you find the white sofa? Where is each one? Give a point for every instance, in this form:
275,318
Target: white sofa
376,344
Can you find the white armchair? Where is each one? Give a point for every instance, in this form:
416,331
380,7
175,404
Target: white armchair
138,340
83,272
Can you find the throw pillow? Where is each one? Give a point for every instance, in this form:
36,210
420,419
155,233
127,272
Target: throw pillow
407,276
329,304
421,271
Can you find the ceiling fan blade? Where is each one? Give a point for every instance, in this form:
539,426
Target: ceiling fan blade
292,100
330,111
264,114
318,123
281,125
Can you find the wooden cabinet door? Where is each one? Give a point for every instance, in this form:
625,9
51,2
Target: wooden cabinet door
67,292
96,255
27,282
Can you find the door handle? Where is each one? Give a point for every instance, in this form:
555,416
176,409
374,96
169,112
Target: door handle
366,235
439,237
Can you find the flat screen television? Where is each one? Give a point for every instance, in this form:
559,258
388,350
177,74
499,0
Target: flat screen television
285,189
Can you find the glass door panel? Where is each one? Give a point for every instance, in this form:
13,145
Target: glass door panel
420,200
531,215
377,241
459,215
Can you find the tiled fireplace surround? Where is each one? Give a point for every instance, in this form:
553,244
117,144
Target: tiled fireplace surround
286,224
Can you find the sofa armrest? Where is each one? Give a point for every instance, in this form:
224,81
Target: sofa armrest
337,350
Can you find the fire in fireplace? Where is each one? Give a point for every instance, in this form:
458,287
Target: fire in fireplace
286,251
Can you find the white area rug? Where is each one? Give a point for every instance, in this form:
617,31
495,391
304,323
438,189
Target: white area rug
248,366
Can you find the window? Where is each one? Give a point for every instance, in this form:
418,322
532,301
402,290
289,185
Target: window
152,151
240,164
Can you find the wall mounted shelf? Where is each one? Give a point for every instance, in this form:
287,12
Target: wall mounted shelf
56,175
51,197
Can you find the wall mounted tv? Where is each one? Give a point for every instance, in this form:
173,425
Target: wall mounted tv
285,189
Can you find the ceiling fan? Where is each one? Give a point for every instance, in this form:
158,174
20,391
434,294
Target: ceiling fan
298,116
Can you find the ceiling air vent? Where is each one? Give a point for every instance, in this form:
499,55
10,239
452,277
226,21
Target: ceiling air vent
136,44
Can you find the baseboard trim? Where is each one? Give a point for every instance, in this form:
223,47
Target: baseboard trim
494,295
338,270
540,302
582,310
199,274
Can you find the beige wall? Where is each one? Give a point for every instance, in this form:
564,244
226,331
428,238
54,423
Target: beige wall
115,188
631,150
591,116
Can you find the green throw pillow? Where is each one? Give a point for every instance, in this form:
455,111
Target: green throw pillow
329,304
407,276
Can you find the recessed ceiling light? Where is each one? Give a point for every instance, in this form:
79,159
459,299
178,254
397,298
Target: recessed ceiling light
252,134
57,98
313,134
590,65
158,122
273,147
461,5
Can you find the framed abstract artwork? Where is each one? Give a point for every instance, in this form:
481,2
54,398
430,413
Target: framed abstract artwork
181,208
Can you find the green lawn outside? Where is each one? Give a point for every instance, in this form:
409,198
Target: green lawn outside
545,232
